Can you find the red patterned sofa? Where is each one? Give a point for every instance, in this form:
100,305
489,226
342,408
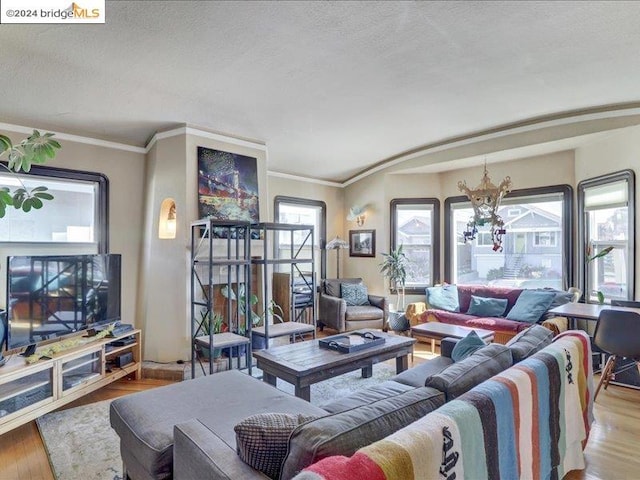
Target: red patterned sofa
504,328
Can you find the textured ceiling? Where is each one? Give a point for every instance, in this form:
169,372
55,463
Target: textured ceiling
331,87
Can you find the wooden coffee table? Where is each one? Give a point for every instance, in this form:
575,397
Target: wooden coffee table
437,331
305,363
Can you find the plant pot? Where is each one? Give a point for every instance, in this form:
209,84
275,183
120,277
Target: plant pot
238,351
204,353
258,342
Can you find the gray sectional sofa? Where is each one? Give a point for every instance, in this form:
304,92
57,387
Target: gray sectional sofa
186,430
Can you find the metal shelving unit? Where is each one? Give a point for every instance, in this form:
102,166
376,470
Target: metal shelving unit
301,268
220,259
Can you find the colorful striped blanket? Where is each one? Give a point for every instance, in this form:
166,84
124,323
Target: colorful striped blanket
530,421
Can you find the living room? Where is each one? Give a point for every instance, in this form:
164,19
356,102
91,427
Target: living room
544,114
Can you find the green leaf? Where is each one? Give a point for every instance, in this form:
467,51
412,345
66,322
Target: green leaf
43,196
5,197
600,296
26,205
39,189
36,202
3,209
5,143
601,253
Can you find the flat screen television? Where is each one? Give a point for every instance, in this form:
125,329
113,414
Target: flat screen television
56,295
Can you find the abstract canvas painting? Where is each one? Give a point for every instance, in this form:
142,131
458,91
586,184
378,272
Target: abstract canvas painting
227,186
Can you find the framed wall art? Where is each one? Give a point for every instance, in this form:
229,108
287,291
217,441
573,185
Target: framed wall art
227,186
362,243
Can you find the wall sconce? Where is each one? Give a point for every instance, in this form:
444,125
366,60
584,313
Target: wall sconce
167,222
357,214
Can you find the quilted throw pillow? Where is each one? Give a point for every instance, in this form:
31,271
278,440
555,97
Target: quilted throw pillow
262,440
354,294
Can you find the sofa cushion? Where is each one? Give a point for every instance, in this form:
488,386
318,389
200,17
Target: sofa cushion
466,346
531,306
560,298
487,307
496,324
345,432
508,293
381,391
417,376
332,285
529,341
462,376
355,294
366,312
443,297
262,440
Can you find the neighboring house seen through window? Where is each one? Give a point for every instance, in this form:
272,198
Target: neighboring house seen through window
415,225
608,220
536,248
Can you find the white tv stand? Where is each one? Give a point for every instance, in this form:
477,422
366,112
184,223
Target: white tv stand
28,391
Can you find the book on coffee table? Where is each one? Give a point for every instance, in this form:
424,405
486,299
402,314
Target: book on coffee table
351,342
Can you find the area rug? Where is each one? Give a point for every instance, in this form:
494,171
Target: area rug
82,445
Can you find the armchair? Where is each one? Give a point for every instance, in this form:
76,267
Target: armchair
336,314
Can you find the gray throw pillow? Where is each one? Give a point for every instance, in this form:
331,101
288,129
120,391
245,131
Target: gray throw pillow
262,440
529,341
462,376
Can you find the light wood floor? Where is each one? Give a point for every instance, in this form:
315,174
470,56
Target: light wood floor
611,452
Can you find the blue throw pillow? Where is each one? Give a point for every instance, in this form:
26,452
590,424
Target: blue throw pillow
531,306
355,294
466,346
487,307
444,297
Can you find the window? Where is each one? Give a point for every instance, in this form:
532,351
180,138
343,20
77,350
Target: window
300,211
545,239
536,248
76,216
608,221
415,225
483,239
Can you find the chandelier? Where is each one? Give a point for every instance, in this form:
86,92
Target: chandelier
485,200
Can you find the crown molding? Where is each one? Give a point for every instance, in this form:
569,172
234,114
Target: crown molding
75,138
298,178
186,130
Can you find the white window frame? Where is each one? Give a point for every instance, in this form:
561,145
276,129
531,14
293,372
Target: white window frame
605,198
553,237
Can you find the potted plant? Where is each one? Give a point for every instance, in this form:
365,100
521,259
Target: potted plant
590,258
242,299
394,267
258,342
209,324
35,149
